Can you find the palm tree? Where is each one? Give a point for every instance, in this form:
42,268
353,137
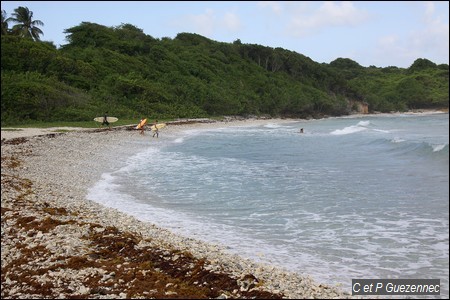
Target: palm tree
4,23
26,27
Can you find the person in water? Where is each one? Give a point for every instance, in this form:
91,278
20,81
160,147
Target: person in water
301,130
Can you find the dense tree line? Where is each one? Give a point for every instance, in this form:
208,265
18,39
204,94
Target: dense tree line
130,74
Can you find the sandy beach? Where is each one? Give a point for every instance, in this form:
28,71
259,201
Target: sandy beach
57,244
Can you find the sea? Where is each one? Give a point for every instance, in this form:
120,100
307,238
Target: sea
355,197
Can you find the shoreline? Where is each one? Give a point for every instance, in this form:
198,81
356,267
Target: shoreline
16,132
58,244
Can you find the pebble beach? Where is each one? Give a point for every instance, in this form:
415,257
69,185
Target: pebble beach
57,244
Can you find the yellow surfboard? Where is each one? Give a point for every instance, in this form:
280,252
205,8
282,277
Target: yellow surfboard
159,126
142,123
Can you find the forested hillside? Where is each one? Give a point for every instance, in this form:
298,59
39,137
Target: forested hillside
130,74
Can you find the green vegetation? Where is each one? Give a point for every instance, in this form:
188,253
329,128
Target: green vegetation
131,75
26,27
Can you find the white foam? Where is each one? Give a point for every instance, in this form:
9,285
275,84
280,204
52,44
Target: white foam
348,130
397,140
179,140
381,130
273,126
363,123
437,148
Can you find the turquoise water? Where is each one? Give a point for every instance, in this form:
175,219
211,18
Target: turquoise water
353,197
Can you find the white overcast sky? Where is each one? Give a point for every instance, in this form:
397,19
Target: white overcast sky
379,33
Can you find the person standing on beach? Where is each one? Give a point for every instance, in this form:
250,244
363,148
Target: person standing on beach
156,132
105,119
143,125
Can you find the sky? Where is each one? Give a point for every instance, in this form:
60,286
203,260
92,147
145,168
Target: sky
372,33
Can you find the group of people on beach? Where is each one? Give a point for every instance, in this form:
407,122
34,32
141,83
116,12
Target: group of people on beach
154,125
142,128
